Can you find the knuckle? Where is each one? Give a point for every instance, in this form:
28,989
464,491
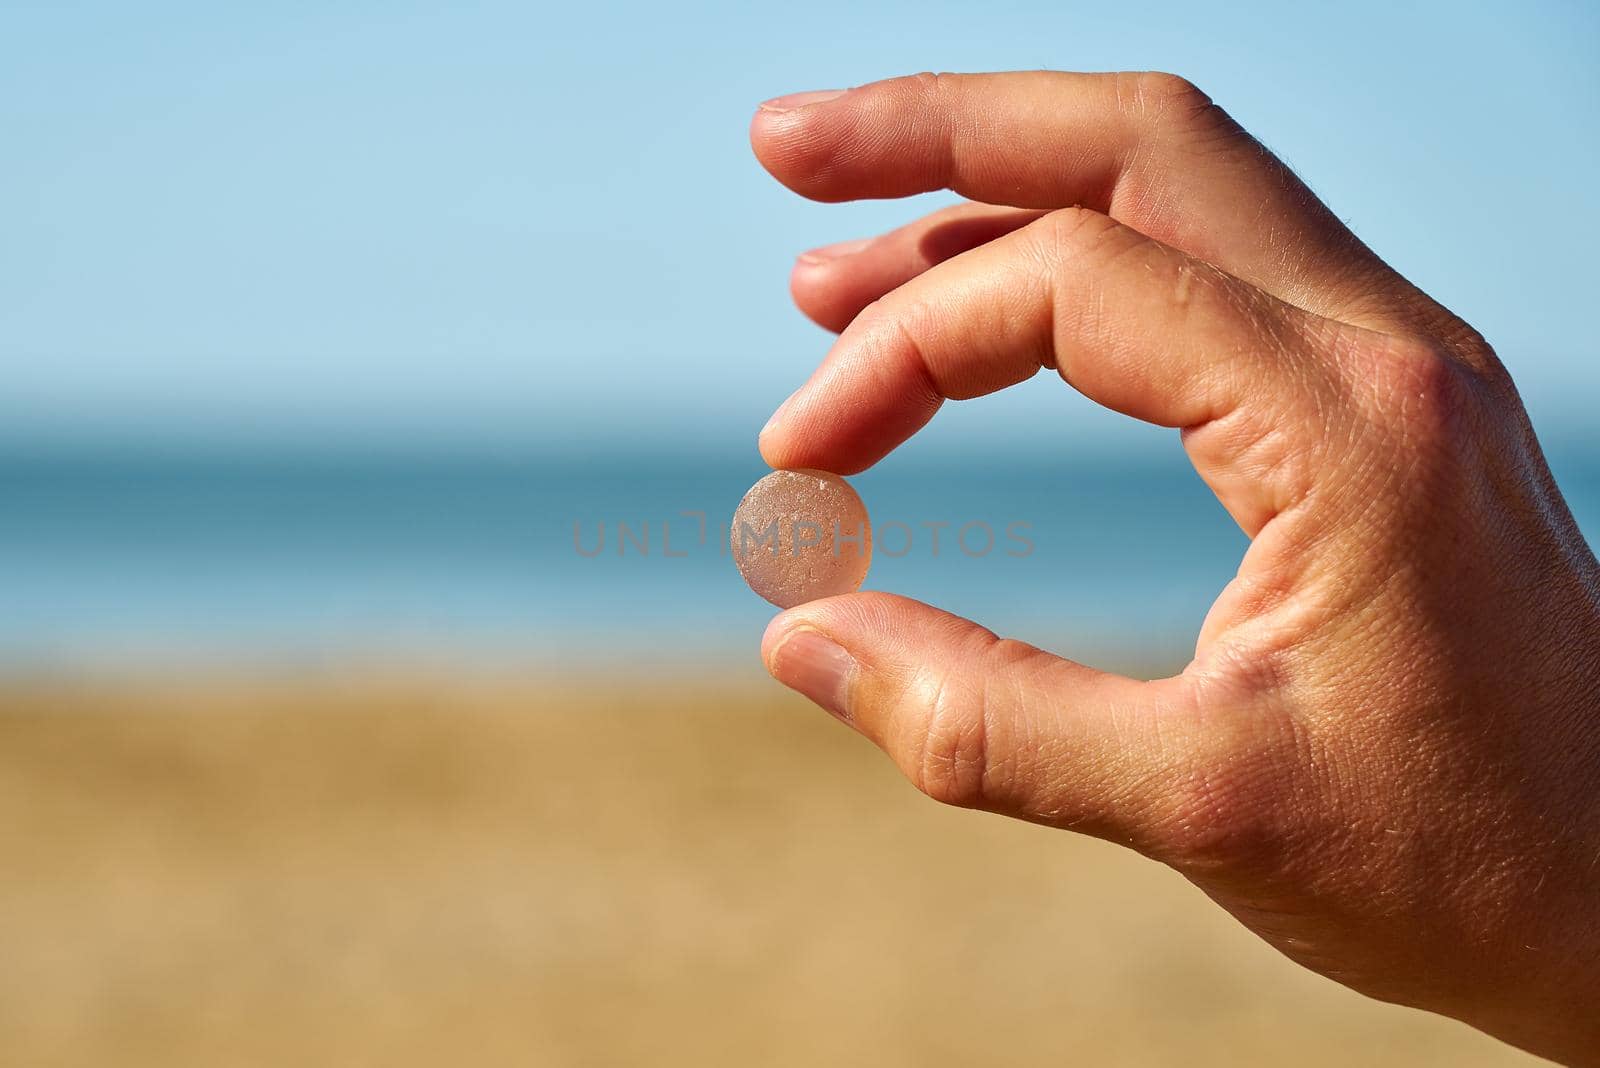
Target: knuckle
1061,226
1476,354
954,747
1421,394
892,332
1171,111
953,751
1160,85
1161,98
934,135
1070,234
873,312
957,764
929,89
1432,433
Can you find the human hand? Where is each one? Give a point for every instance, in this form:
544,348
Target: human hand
1384,757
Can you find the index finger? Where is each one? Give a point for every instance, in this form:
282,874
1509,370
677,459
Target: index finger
1132,324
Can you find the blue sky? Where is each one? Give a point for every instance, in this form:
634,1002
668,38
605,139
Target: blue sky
469,224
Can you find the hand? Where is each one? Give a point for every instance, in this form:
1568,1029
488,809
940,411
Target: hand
1385,756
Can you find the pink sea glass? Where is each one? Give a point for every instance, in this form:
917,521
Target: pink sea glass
800,535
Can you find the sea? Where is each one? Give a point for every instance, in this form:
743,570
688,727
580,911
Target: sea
537,560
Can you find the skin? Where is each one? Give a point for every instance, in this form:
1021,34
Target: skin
1384,757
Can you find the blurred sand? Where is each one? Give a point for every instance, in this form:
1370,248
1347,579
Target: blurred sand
345,872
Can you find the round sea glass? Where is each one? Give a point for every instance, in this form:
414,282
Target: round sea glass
800,535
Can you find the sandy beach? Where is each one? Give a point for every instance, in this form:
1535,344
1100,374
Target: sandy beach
367,868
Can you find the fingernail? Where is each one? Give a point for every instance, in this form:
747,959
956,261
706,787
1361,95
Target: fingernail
799,100
834,251
817,667
778,415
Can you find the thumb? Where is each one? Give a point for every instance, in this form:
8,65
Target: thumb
985,722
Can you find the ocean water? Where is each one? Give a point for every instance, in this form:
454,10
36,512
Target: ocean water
126,557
